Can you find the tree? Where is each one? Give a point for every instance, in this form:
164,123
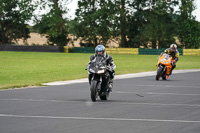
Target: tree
121,8
160,27
151,22
52,24
188,31
99,20
84,23
93,22
14,15
136,22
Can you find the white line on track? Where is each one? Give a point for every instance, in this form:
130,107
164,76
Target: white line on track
90,103
153,93
168,86
93,118
125,76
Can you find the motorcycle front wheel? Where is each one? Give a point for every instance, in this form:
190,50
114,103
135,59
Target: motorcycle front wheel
93,90
159,73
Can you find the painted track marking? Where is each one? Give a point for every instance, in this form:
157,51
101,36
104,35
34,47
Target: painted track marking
153,93
94,118
91,103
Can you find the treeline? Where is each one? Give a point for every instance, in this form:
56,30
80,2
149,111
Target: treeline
133,22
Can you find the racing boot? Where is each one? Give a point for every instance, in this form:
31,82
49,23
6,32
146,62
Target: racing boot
110,85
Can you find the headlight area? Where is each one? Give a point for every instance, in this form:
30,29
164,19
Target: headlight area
100,71
91,70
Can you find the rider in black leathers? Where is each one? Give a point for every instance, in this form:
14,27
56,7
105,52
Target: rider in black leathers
100,52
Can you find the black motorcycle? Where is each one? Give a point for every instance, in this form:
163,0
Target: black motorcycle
98,68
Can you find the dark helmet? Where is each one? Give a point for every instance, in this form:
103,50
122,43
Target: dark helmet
173,46
100,48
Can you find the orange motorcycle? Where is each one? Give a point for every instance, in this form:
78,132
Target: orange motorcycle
164,66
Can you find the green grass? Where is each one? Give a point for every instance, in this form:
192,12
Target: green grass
19,69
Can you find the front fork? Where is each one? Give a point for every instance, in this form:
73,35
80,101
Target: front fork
98,79
163,69
108,86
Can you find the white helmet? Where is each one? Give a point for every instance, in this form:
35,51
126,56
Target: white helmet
173,46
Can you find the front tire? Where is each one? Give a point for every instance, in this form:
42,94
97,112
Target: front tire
159,73
94,91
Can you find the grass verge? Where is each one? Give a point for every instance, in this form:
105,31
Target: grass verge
21,69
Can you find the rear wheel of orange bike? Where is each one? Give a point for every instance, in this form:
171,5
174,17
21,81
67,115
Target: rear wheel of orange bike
164,77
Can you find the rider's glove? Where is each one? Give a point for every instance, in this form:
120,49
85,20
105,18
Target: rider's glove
109,68
88,66
173,61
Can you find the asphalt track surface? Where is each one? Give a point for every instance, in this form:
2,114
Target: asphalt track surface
136,105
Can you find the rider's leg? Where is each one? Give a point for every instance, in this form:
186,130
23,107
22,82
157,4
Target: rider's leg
105,80
112,75
173,66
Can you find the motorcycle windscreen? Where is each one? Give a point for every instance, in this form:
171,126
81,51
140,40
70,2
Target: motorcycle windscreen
97,63
166,56
99,59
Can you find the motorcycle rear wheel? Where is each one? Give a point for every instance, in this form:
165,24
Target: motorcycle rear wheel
104,97
164,77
